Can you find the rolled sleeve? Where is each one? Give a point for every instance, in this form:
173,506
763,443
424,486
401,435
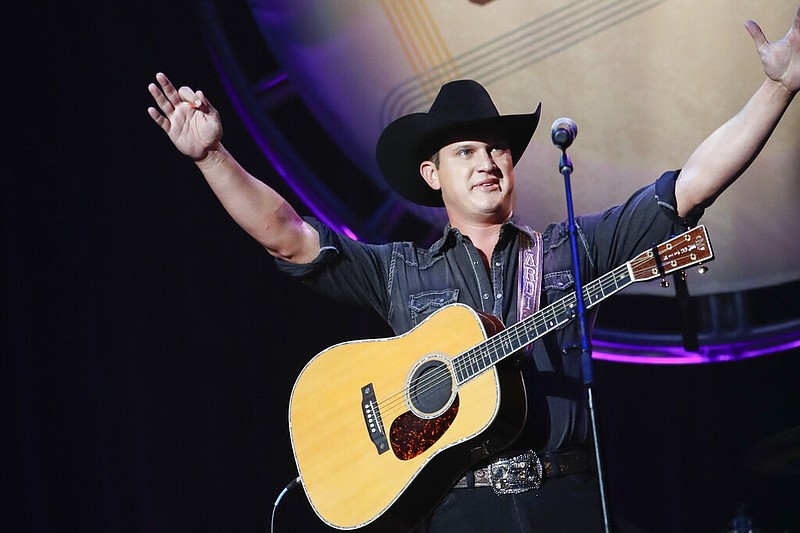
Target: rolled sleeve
328,251
648,217
665,196
345,269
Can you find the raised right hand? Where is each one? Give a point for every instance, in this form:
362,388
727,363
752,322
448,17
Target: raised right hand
188,118
781,59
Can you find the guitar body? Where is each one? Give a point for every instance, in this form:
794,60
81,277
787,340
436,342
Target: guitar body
374,450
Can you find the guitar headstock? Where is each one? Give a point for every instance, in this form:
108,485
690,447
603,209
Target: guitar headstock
680,252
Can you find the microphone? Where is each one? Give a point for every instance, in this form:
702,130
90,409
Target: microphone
563,132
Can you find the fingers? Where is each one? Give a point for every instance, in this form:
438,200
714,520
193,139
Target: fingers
189,96
158,118
796,23
168,99
203,103
163,104
161,95
172,96
175,97
756,33
168,89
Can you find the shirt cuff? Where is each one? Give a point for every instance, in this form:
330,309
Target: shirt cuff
328,251
665,196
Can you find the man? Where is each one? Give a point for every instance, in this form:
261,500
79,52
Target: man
461,155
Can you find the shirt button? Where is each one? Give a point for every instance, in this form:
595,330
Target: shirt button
500,295
485,296
498,263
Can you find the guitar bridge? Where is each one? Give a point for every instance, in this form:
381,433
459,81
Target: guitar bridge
372,418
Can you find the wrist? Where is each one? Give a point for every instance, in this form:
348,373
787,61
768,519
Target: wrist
213,156
781,89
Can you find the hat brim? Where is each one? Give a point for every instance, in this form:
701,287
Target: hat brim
414,138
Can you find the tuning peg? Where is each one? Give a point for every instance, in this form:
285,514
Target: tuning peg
703,269
664,283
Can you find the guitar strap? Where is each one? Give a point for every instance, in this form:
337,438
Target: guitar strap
530,272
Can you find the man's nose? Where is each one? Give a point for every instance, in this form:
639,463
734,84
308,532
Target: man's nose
486,163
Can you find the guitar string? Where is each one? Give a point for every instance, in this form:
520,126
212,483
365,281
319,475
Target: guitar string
396,403
501,342
478,354
517,331
550,317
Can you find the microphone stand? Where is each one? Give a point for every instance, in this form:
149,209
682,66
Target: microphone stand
565,167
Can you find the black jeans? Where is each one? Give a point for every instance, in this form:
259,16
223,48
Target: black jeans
565,504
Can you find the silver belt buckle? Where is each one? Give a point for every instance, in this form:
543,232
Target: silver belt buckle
512,475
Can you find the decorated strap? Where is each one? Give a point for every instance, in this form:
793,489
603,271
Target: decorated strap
530,272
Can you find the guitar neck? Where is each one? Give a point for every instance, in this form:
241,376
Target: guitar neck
512,339
689,248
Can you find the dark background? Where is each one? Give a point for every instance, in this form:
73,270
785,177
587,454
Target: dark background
149,346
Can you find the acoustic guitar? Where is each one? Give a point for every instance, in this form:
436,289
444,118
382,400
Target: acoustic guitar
381,429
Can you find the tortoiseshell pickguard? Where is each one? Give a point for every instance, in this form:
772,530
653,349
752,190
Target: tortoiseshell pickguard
411,435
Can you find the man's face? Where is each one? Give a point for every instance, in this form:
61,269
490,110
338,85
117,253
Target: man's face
476,178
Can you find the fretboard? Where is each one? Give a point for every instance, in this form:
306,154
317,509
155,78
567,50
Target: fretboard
512,339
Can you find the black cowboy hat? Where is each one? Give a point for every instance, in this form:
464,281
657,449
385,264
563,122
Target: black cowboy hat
462,108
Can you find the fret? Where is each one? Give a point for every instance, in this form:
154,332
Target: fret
514,338
482,362
481,357
473,364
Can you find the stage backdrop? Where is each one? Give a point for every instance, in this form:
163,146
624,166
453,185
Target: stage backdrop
645,81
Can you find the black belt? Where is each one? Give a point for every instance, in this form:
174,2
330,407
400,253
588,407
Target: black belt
526,470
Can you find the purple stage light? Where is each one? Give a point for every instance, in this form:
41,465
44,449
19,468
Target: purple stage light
676,355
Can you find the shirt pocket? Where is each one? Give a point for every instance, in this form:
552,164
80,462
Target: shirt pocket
557,284
424,304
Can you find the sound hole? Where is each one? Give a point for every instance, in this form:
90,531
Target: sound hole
430,388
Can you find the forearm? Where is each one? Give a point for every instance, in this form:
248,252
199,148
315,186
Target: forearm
258,209
728,151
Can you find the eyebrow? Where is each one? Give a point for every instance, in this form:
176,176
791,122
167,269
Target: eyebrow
474,144
465,144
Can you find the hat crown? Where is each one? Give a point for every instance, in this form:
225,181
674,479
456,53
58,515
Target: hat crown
462,107
462,100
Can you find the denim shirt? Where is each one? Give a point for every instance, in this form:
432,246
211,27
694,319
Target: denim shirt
405,284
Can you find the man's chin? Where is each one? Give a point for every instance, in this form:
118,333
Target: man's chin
499,212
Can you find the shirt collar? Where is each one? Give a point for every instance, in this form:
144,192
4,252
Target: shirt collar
451,235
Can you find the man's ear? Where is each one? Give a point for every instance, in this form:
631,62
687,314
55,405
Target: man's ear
428,171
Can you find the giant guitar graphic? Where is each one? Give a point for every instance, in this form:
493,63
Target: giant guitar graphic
381,429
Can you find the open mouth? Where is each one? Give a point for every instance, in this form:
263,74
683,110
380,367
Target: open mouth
487,185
